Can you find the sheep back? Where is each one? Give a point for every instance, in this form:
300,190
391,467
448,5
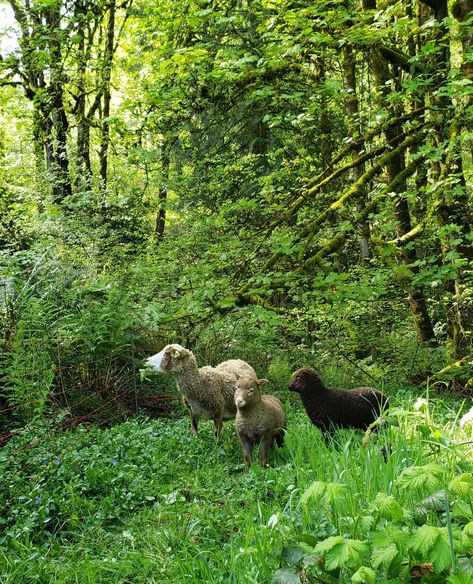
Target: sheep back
355,408
261,419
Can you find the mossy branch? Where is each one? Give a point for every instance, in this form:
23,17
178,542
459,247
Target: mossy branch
450,368
351,193
396,57
339,239
357,188
417,229
321,180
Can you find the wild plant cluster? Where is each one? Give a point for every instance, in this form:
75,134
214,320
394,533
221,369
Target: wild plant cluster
144,501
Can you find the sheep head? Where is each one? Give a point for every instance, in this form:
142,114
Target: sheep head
248,391
172,359
304,378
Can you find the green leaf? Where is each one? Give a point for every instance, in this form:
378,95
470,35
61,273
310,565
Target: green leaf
462,510
427,477
331,493
459,578
466,536
340,552
384,556
327,544
335,494
292,554
307,538
441,552
313,491
424,539
432,544
285,576
462,485
436,502
364,575
388,507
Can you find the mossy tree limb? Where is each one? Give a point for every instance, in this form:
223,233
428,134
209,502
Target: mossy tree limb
350,194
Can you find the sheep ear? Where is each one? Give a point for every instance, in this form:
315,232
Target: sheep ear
262,382
237,376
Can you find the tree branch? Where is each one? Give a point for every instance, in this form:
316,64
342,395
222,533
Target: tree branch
337,241
351,193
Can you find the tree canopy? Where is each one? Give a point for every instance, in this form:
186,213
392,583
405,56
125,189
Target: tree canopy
261,174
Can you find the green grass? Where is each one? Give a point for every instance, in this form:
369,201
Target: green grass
144,501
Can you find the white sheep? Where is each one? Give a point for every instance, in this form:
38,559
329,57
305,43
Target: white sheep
207,391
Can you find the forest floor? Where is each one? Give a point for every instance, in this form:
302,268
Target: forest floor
144,501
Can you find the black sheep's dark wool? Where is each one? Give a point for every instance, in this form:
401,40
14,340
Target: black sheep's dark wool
327,408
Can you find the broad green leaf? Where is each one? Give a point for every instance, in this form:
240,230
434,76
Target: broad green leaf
462,485
327,544
427,477
292,554
431,544
364,575
459,578
466,536
285,576
461,509
391,534
388,507
334,493
441,552
384,556
313,491
340,552
435,502
424,539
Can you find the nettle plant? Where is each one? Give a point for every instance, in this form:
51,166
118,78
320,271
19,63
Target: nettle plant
410,522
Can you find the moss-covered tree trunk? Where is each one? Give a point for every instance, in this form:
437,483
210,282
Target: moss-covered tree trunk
394,168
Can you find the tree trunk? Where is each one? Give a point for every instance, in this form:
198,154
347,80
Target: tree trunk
454,211
163,194
352,107
83,164
106,76
394,168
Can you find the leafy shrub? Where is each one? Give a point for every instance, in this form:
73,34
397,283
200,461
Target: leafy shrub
30,368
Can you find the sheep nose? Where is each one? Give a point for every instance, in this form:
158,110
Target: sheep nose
240,402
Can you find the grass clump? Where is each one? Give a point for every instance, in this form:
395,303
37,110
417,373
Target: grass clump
144,501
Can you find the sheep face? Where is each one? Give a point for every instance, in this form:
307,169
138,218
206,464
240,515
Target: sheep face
170,360
302,378
248,391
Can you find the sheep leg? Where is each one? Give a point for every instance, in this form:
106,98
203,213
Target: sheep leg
247,450
218,425
263,449
279,438
194,424
194,420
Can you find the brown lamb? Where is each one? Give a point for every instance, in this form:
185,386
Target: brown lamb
259,419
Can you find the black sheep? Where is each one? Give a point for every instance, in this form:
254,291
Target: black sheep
328,408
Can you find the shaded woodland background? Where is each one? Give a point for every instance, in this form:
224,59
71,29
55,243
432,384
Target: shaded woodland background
285,182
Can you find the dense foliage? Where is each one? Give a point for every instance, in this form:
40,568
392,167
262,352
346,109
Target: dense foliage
144,501
287,182
196,170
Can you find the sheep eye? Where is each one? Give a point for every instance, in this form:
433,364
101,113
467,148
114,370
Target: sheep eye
251,391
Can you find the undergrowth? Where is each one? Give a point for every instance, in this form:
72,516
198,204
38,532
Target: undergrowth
144,501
